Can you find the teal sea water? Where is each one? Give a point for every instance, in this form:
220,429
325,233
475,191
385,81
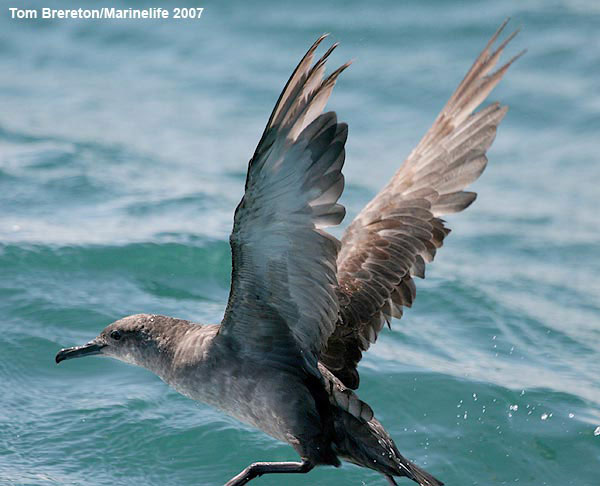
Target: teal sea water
123,148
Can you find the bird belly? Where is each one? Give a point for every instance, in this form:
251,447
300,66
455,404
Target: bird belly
274,401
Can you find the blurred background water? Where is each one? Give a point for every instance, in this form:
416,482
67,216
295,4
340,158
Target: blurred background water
123,149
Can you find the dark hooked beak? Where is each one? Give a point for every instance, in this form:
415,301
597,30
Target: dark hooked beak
89,349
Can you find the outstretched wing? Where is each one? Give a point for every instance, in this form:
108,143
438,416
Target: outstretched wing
282,305
400,229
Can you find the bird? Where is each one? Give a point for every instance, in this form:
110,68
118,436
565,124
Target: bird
304,306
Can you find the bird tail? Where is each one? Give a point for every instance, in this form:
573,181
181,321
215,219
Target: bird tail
417,474
367,444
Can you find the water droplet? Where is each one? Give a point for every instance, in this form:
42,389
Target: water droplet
597,431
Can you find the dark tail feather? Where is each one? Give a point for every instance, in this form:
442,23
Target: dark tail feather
369,445
415,473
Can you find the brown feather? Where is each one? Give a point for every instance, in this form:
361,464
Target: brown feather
399,230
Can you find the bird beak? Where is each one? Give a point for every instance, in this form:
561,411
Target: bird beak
89,349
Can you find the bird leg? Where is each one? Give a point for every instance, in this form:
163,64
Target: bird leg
259,468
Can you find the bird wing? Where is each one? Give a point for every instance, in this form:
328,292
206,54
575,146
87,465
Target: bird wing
282,304
390,240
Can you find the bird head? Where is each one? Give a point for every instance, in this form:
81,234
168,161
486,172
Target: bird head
137,339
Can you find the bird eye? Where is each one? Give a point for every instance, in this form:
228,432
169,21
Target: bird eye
116,335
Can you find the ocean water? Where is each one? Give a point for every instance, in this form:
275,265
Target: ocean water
123,148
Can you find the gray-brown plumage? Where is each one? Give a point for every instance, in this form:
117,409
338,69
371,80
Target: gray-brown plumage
400,230
303,306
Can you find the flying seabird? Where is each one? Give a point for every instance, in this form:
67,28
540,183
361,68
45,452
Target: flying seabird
303,306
